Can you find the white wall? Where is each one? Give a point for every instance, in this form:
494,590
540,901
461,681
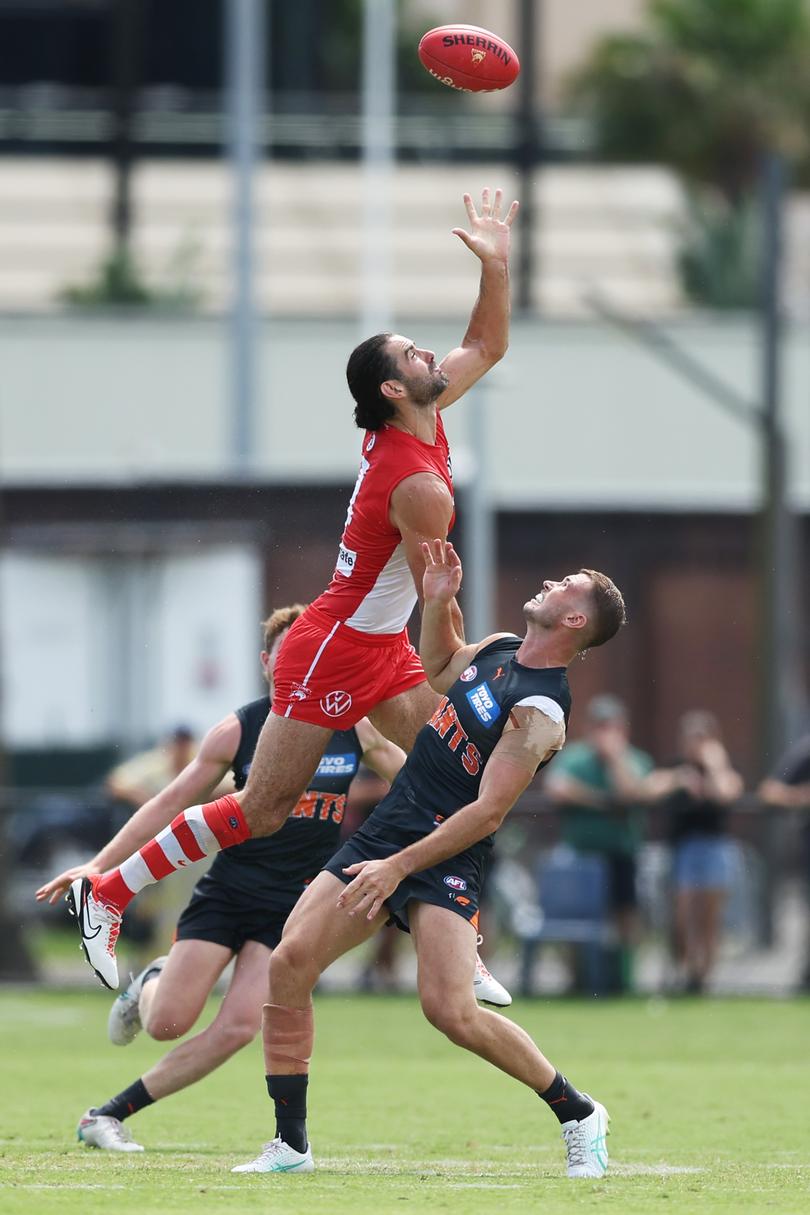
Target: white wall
579,415
94,648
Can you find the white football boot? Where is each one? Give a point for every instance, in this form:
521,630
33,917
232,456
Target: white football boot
99,924
109,1134
124,1021
279,1157
487,988
586,1143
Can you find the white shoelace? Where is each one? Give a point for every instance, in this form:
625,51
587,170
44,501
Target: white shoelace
111,916
274,1148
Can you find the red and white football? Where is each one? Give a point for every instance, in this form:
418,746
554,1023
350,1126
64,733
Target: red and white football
469,58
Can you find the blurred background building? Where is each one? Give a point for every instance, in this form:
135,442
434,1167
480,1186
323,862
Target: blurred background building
176,444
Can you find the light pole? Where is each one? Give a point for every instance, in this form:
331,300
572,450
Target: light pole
245,85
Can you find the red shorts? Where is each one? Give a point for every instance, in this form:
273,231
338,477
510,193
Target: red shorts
331,675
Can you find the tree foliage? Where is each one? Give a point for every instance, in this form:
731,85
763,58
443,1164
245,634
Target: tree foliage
707,88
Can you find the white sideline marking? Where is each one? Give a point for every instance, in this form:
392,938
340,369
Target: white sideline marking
618,1169
482,1185
64,1185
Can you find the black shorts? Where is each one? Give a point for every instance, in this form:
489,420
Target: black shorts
454,884
228,917
622,881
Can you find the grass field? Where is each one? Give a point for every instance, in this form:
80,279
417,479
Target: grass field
710,1105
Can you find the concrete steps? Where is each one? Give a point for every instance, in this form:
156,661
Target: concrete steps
595,228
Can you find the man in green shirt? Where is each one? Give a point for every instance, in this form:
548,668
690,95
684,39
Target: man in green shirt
599,783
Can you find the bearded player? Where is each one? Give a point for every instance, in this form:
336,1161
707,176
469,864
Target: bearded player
348,656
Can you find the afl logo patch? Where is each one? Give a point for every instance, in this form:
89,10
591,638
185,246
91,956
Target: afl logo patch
335,704
455,883
468,675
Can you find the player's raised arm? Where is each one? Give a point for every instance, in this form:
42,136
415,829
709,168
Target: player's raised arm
379,753
487,336
442,648
439,644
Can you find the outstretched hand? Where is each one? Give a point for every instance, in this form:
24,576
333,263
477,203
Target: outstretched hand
441,580
373,882
488,237
60,885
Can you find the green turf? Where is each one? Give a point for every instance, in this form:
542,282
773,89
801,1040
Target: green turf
710,1105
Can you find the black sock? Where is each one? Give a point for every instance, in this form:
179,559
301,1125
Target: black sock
565,1102
129,1102
289,1094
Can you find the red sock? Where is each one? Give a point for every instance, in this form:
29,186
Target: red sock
197,832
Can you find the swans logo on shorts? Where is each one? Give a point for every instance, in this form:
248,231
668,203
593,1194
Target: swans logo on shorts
455,883
469,674
335,704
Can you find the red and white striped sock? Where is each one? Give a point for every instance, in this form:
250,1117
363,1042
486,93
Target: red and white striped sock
195,833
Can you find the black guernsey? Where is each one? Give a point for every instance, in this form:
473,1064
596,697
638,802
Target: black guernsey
444,770
276,867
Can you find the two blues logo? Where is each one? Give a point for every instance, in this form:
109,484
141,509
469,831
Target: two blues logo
484,704
337,765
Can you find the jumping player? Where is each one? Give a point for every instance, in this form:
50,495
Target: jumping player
348,656
419,855
238,908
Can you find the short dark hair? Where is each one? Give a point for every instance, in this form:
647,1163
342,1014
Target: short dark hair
369,365
610,612
279,620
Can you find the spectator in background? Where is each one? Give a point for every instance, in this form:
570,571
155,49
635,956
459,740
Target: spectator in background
142,777
789,789
600,783
136,781
697,793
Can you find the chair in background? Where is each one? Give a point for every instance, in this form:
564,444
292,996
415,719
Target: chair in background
573,908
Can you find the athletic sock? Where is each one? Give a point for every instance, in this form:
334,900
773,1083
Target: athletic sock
565,1102
289,1095
189,837
129,1102
152,973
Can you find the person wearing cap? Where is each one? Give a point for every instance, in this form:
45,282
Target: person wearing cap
600,783
135,781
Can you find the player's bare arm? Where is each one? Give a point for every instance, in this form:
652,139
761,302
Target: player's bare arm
508,773
421,507
487,337
775,792
382,756
195,783
442,648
